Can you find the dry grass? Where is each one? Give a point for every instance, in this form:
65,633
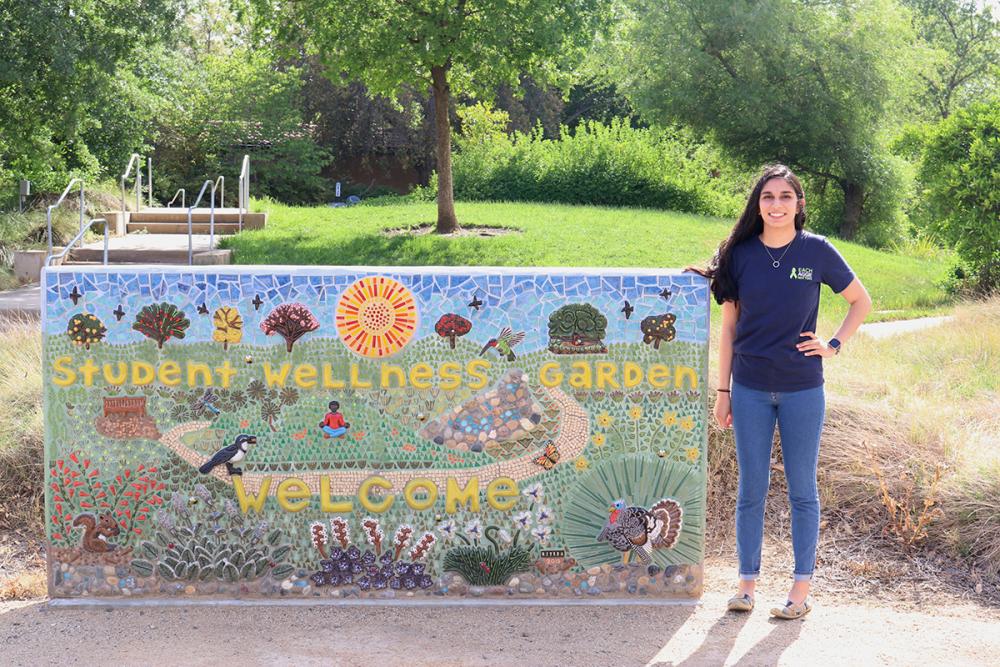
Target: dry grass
21,428
25,585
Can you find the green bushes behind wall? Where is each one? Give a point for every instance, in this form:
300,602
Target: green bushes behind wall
608,165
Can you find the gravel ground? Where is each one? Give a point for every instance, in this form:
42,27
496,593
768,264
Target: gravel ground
871,631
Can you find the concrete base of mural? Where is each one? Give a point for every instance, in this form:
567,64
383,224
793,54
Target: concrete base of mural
359,433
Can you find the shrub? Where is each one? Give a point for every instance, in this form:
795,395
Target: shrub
961,194
609,165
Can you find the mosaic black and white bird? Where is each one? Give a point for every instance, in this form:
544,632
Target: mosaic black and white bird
229,455
639,530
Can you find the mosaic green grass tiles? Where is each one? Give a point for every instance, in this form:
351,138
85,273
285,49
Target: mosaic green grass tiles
375,433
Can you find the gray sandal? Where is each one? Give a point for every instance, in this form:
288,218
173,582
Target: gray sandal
792,611
740,603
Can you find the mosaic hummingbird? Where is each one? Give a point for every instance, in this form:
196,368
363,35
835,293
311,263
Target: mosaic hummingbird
505,342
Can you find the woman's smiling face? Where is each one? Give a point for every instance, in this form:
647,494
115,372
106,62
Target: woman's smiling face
778,203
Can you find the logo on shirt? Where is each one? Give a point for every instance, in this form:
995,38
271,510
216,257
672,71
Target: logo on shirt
803,273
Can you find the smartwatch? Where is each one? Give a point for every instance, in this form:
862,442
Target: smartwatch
835,344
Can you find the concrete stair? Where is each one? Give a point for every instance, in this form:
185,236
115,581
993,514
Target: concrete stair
161,248
174,221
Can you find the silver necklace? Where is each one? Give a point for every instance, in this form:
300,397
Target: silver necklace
777,262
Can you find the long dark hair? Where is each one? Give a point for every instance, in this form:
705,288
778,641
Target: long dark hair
750,224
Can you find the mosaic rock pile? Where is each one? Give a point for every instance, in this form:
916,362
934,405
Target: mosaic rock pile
130,426
506,412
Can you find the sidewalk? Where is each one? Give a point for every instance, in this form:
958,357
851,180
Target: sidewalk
20,302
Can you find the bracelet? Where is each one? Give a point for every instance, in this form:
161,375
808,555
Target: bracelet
725,390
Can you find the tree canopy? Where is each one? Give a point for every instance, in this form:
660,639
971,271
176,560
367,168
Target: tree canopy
469,45
59,61
815,85
966,34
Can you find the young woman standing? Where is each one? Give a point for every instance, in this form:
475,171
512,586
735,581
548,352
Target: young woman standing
767,277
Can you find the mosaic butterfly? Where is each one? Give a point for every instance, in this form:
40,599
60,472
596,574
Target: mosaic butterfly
549,458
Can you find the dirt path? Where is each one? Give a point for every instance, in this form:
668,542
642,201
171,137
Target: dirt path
573,435
954,632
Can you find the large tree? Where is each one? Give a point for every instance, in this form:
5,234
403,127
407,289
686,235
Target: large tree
57,58
815,85
967,35
468,46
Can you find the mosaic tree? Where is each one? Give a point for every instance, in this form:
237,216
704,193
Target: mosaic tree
272,402
84,329
228,326
577,328
291,321
161,322
452,326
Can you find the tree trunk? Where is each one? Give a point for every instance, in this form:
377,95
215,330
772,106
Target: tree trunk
446,222
854,200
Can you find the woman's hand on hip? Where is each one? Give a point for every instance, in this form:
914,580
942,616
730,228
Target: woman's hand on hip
815,346
723,409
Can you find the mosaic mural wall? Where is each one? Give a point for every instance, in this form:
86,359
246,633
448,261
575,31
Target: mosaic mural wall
349,432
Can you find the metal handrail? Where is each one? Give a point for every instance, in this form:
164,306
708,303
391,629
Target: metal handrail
244,187
48,213
220,185
138,180
211,219
50,258
182,194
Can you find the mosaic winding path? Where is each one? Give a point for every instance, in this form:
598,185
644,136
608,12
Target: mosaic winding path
574,431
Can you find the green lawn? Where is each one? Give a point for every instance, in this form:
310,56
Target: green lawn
557,235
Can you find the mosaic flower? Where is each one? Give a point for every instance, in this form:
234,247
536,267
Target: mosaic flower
635,412
535,493
669,418
504,536
605,420
523,520
474,529
599,439
692,454
376,316
447,529
409,447
687,423
541,533
581,463
544,514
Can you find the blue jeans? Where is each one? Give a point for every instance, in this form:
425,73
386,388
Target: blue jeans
334,432
799,415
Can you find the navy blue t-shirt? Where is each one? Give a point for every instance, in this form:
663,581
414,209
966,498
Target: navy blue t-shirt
776,305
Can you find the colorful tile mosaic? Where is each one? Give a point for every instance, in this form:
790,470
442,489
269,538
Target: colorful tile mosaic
375,432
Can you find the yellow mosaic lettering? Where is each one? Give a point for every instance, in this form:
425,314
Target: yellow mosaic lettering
169,373
249,501
502,493
305,376
455,497
293,494
64,375
375,506
411,489
550,375
325,502
420,375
